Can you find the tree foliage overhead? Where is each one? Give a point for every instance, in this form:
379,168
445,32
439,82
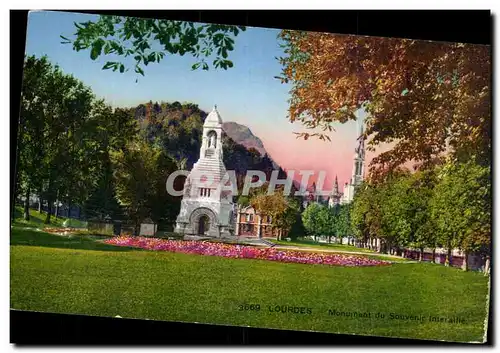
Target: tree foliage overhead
419,95
148,40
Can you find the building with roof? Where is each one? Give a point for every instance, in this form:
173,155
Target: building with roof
251,223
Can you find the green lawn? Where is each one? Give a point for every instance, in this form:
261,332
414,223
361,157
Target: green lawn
78,275
36,219
317,245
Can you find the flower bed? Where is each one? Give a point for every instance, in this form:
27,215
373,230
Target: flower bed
243,251
59,231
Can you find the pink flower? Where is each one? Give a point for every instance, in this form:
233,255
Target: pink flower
243,251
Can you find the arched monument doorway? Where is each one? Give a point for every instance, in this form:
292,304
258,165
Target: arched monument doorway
203,224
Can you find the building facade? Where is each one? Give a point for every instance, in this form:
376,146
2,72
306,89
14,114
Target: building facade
250,223
206,207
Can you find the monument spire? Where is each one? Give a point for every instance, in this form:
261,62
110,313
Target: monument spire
206,209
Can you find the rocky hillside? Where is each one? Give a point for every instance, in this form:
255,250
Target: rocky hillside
178,127
242,135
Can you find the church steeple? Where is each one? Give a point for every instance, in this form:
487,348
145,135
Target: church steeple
334,198
358,168
359,159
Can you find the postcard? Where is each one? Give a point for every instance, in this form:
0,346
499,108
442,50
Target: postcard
255,177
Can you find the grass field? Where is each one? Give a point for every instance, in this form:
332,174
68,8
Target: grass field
318,245
79,275
36,219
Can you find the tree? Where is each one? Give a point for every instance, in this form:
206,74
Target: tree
286,220
282,210
422,96
141,172
423,227
57,151
117,129
311,219
327,222
343,221
461,208
297,230
366,215
397,209
30,146
149,40
243,200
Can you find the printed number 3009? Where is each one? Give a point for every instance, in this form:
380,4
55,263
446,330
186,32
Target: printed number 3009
255,307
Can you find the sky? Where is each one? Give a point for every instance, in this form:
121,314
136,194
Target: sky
248,93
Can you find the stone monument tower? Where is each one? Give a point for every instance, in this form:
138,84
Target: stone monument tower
206,207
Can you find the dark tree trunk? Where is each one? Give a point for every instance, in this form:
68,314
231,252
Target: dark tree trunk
56,213
49,202
421,255
49,210
27,205
16,175
447,262
433,255
69,209
136,227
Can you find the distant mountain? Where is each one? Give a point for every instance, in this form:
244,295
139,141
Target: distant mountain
242,135
178,128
